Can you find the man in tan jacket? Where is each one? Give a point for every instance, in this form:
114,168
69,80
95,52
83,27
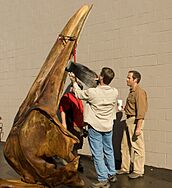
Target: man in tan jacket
133,140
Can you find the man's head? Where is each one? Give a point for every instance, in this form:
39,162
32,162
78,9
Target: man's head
106,75
133,78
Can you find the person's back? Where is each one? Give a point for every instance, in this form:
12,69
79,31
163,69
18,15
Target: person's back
73,109
100,108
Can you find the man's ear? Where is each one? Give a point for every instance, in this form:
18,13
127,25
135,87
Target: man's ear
135,80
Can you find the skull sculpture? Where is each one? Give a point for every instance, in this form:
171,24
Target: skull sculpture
37,135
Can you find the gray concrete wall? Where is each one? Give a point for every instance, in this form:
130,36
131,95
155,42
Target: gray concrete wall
121,34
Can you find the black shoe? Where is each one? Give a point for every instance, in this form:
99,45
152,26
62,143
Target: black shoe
112,178
80,168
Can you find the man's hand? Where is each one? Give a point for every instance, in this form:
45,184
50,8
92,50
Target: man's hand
138,132
139,127
72,77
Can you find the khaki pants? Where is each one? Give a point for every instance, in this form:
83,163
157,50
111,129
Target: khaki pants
132,148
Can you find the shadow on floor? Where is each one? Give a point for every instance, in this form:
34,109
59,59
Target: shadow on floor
153,178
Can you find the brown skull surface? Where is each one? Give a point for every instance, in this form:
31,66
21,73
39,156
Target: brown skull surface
37,135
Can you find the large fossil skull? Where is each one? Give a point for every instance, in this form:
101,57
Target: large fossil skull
37,135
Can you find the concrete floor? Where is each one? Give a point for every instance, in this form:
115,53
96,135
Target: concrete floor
153,178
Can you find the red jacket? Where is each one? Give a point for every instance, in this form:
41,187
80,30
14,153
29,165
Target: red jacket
73,109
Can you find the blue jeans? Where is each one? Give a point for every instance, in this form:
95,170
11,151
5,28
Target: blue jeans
102,151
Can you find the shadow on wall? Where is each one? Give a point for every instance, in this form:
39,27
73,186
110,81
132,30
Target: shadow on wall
1,129
118,129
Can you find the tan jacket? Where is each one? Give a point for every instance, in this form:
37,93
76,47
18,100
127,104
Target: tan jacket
100,110
136,104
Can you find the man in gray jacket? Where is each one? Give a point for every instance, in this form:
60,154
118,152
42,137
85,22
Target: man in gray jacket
99,114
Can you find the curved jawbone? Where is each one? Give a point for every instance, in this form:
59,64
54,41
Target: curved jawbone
37,136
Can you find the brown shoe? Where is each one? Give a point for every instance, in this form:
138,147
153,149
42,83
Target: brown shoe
134,175
120,172
101,184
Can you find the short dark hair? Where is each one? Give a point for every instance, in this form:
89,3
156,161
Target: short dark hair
107,74
136,75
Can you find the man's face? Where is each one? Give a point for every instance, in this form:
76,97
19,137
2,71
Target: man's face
100,78
130,80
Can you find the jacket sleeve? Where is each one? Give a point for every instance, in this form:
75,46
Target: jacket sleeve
81,94
141,104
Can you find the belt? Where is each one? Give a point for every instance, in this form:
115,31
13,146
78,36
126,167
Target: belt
129,116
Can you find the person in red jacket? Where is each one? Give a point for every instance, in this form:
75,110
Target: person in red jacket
71,111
